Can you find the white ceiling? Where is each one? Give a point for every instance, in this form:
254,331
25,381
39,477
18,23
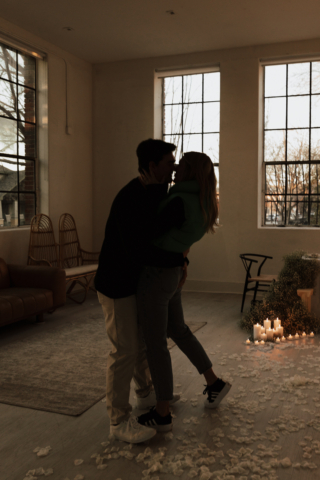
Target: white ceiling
109,30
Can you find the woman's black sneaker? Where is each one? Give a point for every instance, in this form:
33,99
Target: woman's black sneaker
215,393
154,420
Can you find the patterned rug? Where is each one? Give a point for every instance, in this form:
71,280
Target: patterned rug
58,366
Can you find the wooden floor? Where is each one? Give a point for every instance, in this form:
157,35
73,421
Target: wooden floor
262,421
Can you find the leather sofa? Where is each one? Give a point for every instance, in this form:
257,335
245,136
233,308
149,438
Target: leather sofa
27,290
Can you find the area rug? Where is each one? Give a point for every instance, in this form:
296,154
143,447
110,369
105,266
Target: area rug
59,366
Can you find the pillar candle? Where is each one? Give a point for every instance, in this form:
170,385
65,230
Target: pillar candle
256,331
280,331
276,323
267,324
270,334
264,337
263,330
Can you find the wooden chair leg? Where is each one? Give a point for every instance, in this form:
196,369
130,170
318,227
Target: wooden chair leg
255,291
244,295
39,318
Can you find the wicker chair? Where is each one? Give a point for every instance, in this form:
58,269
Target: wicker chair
43,249
80,265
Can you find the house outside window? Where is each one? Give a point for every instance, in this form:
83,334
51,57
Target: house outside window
190,106
291,154
18,137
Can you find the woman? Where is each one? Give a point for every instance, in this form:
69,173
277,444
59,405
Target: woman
192,204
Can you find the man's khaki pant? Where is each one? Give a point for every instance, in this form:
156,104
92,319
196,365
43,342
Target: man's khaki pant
127,358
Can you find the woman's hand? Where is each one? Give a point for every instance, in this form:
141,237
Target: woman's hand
149,178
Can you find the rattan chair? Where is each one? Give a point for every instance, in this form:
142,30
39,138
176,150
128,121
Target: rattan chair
43,249
80,265
260,279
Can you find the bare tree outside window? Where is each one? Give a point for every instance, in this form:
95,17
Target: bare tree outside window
17,137
292,144
191,114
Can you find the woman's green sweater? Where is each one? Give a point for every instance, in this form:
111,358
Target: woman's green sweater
193,229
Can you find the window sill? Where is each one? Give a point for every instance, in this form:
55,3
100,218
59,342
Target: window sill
307,227
14,229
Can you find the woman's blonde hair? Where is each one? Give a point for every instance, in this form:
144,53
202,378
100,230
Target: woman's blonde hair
199,167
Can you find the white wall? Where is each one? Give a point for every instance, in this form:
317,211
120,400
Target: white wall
69,156
123,116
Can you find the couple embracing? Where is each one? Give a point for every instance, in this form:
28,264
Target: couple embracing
142,268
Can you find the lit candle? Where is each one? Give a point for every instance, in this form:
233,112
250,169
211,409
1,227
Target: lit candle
304,334
290,337
283,339
311,334
270,334
263,330
256,331
276,323
274,333
248,341
264,337
267,324
256,342
262,342
280,331
296,336
278,340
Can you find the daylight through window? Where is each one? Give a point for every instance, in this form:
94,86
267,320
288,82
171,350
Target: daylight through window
191,114
17,137
292,144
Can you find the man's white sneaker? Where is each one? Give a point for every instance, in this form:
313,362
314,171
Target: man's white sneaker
143,403
131,431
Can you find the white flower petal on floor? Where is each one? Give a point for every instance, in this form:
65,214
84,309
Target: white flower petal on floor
78,477
79,461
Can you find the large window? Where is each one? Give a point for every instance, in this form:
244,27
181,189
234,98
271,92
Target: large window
191,114
17,137
292,144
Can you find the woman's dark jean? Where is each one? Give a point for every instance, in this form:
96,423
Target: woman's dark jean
160,315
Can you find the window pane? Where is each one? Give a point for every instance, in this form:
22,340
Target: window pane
8,63
315,77
172,118
211,146
8,136
8,177
211,114
10,214
211,87
274,145
297,210
315,144
27,139
172,91
8,99
192,88
275,179
298,179
26,70
298,112
27,207
192,143
315,178
192,118
299,78
315,111
275,80
177,141
26,175
298,145
274,210
275,113
315,210
27,104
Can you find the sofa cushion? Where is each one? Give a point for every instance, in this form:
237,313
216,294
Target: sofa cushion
17,303
4,275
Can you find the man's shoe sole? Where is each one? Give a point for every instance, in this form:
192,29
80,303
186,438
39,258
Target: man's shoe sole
132,440
222,394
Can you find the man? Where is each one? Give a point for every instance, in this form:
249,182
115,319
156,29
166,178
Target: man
127,246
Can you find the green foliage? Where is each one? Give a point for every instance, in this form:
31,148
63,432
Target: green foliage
282,300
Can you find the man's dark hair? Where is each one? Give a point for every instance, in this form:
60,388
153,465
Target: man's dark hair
152,151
